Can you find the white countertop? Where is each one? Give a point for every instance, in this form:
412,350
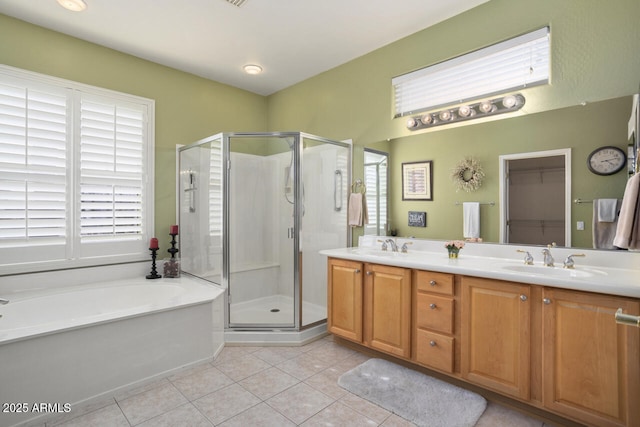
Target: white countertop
614,273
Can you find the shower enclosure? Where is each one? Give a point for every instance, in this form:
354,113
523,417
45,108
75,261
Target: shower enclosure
254,211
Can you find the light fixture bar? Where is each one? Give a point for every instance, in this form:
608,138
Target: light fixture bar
486,108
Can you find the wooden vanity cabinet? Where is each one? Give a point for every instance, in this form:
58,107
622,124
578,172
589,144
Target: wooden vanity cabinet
591,365
370,304
495,335
434,320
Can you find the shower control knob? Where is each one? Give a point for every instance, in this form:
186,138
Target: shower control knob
432,306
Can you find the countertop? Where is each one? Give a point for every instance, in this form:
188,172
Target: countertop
593,277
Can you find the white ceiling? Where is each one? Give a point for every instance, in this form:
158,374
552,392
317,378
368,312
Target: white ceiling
292,40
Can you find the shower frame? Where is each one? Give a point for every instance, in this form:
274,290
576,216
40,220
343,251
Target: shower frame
298,190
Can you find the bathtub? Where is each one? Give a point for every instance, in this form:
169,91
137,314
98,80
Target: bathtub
63,346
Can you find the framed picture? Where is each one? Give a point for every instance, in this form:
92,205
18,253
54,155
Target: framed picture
417,219
417,180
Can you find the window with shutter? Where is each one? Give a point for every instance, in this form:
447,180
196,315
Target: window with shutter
75,173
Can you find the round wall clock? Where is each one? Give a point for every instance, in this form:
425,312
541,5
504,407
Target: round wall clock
606,160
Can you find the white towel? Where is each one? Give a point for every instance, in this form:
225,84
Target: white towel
604,232
355,209
607,211
471,220
628,230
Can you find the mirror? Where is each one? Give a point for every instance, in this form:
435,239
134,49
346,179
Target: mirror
581,129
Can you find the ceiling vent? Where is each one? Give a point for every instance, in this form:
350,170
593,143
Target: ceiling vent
238,3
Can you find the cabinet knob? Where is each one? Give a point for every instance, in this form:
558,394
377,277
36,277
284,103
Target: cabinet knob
547,301
369,273
357,271
432,306
432,343
523,297
432,282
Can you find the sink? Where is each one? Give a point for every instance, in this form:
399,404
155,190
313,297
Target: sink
379,253
540,270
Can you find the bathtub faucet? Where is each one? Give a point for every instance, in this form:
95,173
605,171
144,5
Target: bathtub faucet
4,301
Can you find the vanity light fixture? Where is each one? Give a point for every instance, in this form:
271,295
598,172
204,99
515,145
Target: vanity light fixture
485,108
73,5
252,69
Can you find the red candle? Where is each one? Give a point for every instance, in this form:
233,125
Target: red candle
153,243
173,229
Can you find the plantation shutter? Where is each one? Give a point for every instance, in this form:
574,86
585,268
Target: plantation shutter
111,169
33,164
215,188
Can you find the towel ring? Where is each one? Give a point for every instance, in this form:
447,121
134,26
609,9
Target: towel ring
358,187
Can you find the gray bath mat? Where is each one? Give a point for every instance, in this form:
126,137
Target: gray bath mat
416,397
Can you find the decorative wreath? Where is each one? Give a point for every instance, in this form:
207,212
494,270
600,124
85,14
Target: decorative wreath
467,175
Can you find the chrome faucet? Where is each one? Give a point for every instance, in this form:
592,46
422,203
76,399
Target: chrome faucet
568,263
393,245
528,259
404,249
4,301
548,259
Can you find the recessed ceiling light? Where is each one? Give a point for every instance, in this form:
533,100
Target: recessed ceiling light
252,69
74,5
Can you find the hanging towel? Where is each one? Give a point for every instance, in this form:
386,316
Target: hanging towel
628,230
607,210
471,220
355,209
605,231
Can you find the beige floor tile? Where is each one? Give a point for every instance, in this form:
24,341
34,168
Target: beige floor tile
151,403
109,416
275,355
396,421
327,382
242,366
190,371
201,383
331,353
137,390
303,366
365,407
226,403
261,415
230,353
299,402
79,410
338,414
499,416
183,416
268,383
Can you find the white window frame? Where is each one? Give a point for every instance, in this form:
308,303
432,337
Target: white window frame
72,251
513,64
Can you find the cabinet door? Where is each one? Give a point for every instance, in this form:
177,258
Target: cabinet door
590,364
495,335
344,303
387,313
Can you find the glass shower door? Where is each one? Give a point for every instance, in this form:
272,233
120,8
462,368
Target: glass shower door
260,223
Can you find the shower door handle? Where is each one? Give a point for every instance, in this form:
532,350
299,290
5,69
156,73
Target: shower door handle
337,201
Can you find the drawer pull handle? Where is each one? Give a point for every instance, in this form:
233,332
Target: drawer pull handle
432,306
357,271
432,282
432,343
627,319
523,297
369,273
546,301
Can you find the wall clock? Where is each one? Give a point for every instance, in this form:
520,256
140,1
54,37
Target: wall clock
606,160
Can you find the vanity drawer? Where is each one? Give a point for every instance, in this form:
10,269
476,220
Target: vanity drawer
435,312
434,350
429,281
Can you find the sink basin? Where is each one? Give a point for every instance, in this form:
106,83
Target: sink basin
540,270
379,253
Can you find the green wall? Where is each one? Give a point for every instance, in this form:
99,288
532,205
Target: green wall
188,108
595,47
595,57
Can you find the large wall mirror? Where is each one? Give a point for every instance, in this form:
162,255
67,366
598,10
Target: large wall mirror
577,130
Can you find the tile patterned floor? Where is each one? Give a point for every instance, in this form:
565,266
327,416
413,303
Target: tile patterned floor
259,386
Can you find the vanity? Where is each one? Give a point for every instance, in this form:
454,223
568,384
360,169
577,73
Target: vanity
545,336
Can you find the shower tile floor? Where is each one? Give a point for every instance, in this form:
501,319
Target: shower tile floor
260,386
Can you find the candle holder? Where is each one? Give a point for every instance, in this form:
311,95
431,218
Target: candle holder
154,273
173,250
172,265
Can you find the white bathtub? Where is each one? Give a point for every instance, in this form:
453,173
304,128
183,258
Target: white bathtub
81,343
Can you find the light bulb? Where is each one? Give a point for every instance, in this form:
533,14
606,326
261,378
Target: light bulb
73,5
486,107
427,119
411,122
445,115
465,111
509,101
